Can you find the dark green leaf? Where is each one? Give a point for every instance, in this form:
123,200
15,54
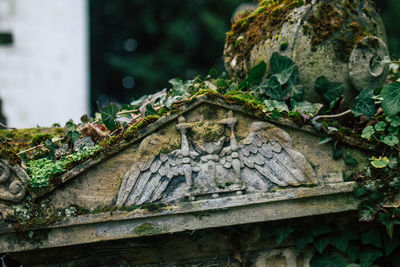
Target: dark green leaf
372,237
328,261
255,76
353,251
282,67
321,243
108,116
389,140
337,153
389,224
368,257
70,126
73,136
391,99
365,105
340,242
329,91
274,90
282,233
390,243
359,191
303,240
51,147
85,118
150,110
320,229
349,160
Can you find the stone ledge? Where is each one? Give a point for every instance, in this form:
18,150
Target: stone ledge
190,216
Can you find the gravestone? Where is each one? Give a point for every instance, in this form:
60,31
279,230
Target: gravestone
209,170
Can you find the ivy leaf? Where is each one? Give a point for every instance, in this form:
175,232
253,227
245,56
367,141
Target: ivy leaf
353,251
321,243
380,162
390,243
389,140
282,67
108,116
372,237
282,233
389,224
391,99
306,108
365,105
303,240
274,90
319,230
368,132
73,136
150,110
380,126
359,191
368,257
328,261
329,91
180,88
340,242
276,105
255,76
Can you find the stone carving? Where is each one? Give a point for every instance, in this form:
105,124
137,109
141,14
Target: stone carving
204,167
12,182
345,41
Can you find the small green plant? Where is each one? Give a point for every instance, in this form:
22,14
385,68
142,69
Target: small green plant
42,170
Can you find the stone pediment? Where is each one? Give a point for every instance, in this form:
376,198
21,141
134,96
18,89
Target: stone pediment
209,150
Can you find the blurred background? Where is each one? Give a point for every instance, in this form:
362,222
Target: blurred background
61,59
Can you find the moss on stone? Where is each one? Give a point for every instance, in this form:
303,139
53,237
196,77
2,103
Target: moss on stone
262,24
147,229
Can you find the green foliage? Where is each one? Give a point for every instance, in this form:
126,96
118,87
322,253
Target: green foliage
108,116
42,170
380,162
365,104
180,88
328,90
255,76
282,67
368,132
391,99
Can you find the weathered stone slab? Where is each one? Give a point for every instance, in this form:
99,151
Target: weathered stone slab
184,216
209,152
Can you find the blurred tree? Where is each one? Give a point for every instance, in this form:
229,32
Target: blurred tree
390,10
138,45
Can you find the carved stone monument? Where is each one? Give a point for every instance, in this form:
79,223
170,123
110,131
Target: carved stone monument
208,166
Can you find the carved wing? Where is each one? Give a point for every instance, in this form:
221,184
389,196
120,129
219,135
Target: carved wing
148,178
267,154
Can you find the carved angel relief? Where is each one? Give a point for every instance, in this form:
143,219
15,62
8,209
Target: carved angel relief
12,182
203,167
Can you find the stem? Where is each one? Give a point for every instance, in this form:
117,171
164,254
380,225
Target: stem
41,145
127,112
331,116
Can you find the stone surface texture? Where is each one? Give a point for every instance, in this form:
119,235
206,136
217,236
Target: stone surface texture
114,180
324,38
